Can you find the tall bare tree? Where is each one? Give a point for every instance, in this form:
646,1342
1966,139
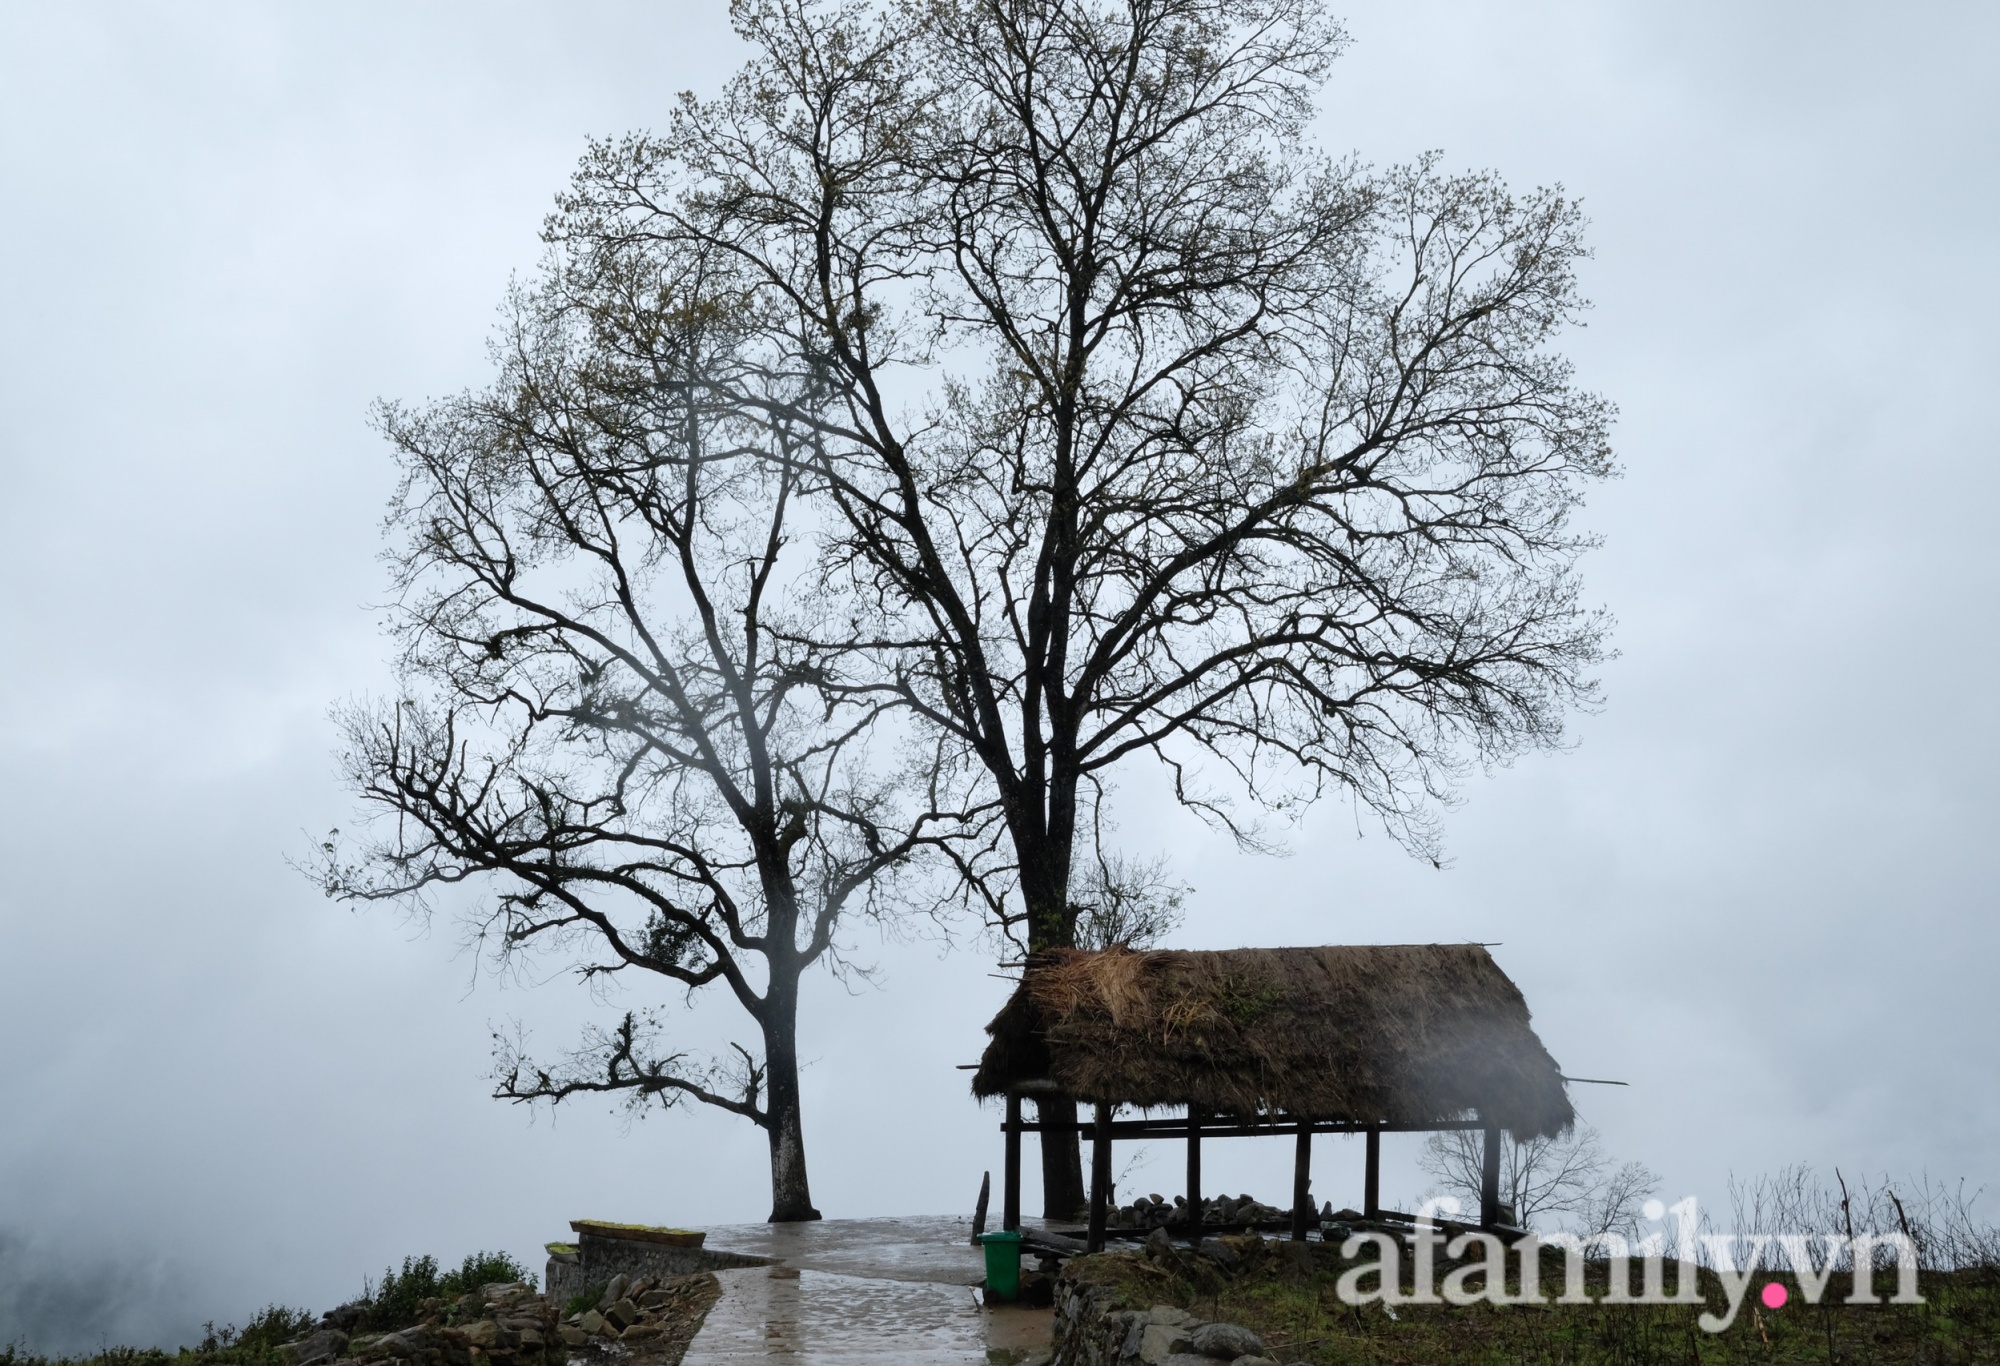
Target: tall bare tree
1568,1175
610,713
1149,430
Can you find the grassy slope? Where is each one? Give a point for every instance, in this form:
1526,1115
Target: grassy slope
1301,1319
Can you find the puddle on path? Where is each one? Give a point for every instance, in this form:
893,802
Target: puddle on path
862,1289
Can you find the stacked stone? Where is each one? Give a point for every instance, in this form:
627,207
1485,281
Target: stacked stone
1241,1209
1151,1212
635,1310
1154,1212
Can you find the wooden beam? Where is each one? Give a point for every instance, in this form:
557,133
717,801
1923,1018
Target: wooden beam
1100,1176
1211,1128
1194,1118
1038,1086
1010,1179
1371,1179
1302,1207
1041,1240
1489,1179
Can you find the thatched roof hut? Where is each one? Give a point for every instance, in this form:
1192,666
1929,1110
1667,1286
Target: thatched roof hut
1401,1034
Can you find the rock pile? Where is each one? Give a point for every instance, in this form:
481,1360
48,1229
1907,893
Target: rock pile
1165,1336
1155,1212
506,1324
511,1325
643,1312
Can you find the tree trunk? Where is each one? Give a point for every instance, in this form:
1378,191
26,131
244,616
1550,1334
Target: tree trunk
791,1194
1045,893
1063,1195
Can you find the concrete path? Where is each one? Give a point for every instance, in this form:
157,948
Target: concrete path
854,1290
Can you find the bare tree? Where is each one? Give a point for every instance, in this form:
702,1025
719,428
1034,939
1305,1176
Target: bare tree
1148,429
608,715
1569,1175
1616,1201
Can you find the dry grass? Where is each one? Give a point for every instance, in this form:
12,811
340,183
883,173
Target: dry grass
1409,1033
1110,980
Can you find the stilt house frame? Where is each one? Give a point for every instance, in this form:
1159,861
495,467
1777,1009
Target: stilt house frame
1342,1039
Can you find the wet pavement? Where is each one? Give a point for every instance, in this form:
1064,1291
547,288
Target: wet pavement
847,1290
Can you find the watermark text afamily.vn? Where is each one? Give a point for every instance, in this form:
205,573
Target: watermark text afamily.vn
1481,1269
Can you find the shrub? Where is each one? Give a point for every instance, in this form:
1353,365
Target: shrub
484,1268
395,1303
398,1301
261,1335
587,1298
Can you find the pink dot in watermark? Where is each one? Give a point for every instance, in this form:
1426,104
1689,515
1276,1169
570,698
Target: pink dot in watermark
1775,1296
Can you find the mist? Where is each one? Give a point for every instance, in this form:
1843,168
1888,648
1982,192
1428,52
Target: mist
1758,886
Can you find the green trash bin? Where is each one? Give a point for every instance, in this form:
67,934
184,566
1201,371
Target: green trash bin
1003,1264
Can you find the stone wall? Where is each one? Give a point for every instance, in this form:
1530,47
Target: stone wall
1089,1328
599,1258
1093,1329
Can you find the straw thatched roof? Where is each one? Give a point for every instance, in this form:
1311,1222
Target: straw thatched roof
1396,1033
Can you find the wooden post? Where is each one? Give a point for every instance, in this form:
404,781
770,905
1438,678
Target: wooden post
1302,1206
1194,1173
1010,1179
1489,1178
1100,1176
1371,1180
979,1209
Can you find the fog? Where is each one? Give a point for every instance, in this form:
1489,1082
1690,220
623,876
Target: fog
1759,886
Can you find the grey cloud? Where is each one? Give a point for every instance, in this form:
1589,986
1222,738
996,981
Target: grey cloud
1760,888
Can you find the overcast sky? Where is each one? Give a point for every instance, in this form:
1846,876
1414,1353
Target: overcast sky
1760,888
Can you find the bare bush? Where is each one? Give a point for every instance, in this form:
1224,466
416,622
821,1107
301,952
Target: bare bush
1937,1217
1571,1185
1127,901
